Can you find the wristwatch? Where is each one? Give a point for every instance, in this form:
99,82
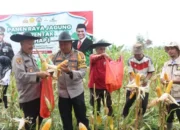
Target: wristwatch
70,73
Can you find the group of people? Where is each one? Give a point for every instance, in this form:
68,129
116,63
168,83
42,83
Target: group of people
70,82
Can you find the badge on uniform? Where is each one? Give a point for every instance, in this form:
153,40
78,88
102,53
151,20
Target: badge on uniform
19,60
30,69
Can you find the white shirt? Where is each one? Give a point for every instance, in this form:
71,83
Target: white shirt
82,40
6,79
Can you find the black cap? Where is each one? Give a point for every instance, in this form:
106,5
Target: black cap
81,26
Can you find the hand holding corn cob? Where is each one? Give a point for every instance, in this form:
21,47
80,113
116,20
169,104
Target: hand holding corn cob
165,97
50,67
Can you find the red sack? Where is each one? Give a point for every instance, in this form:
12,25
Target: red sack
46,91
114,74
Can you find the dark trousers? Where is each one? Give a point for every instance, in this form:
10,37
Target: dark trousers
31,109
4,96
65,109
100,95
172,108
129,103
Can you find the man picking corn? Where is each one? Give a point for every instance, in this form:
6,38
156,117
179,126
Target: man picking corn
70,82
28,78
97,77
172,69
142,65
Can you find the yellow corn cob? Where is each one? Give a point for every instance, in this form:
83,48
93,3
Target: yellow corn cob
137,79
111,123
99,120
168,89
166,77
82,126
65,62
158,91
133,75
48,104
44,65
47,125
40,56
131,95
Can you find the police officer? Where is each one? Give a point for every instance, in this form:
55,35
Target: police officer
27,77
70,82
5,71
5,48
6,52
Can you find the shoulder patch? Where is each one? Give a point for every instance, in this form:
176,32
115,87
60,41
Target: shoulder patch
19,60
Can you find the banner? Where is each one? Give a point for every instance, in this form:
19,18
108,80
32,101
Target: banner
45,25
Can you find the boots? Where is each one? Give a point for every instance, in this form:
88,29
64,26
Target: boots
169,126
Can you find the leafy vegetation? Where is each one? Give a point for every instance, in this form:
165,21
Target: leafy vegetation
150,120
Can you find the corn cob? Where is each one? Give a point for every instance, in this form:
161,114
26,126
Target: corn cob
168,89
65,62
47,125
44,65
137,79
131,95
82,126
158,91
166,77
133,75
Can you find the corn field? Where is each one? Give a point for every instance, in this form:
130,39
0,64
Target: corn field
150,120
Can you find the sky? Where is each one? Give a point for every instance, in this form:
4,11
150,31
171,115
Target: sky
117,21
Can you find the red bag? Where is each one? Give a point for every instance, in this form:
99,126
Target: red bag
114,74
46,91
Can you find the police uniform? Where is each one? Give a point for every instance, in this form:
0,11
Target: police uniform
70,86
5,71
5,48
28,84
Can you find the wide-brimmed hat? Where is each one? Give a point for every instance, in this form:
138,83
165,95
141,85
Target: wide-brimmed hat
100,43
172,44
137,48
64,36
24,36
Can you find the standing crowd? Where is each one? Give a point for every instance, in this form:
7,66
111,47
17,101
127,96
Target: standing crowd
70,82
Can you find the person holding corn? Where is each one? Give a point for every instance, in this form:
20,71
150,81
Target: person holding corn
171,69
97,83
28,77
70,82
142,65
